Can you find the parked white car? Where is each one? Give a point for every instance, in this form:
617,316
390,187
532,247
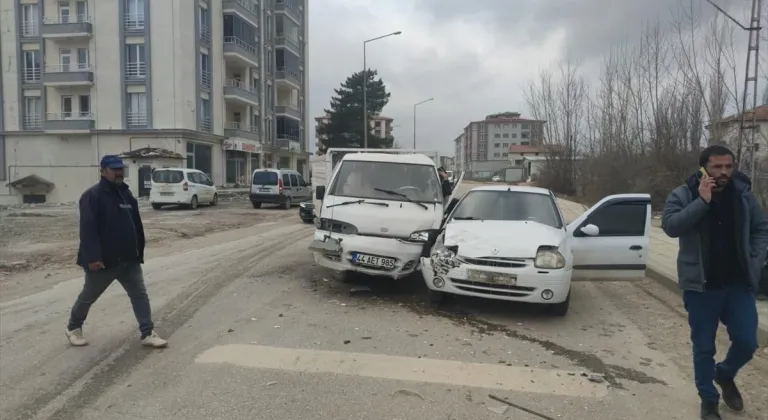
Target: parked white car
181,186
496,178
511,243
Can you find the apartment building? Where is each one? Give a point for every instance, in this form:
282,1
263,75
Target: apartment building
484,146
381,126
219,83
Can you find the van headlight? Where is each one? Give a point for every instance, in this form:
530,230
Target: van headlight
420,236
337,226
550,258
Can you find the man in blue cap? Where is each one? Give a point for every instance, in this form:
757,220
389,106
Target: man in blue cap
111,248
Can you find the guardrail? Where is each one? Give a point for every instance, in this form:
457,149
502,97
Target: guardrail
289,72
205,34
58,20
61,116
133,22
239,126
135,69
30,29
205,79
240,43
31,75
234,83
33,121
136,119
288,40
205,125
67,68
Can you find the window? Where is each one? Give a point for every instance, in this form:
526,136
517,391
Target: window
136,109
166,176
621,219
82,58
135,61
134,14
200,157
295,181
505,155
361,180
506,145
85,105
514,135
81,7
203,19
32,112
497,154
506,135
508,205
66,106
205,108
526,126
64,12
65,59
524,135
265,178
29,20
302,182
31,66
205,71
497,136
286,180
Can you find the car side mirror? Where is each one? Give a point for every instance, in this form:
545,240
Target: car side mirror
590,230
320,192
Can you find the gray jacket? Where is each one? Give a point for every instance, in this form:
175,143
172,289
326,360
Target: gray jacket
684,218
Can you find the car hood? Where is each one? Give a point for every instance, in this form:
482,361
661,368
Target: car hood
478,239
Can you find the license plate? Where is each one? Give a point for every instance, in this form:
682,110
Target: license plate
372,261
166,194
265,189
492,278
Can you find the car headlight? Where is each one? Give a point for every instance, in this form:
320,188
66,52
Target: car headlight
420,236
306,205
549,258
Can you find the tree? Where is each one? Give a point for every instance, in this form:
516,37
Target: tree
345,123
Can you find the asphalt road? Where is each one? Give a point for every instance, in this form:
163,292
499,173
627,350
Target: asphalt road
258,332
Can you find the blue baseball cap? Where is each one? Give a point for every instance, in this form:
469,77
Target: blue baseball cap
112,162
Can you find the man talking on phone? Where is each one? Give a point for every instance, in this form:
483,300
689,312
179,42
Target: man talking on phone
723,236
111,248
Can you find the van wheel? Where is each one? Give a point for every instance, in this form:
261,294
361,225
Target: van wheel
157,206
215,200
287,205
256,205
193,203
561,309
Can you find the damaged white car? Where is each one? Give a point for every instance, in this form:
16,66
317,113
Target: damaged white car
512,243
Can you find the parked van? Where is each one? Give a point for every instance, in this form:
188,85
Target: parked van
284,187
181,186
377,213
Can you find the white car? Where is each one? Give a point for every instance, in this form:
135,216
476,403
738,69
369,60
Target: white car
496,178
511,243
181,186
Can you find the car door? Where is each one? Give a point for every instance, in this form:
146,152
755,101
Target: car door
610,240
287,187
298,194
455,193
210,190
199,189
306,191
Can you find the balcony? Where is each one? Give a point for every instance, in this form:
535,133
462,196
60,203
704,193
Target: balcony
135,72
205,35
67,27
290,10
288,142
205,124
33,122
68,75
136,120
288,76
241,130
205,80
235,49
237,91
30,30
246,10
69,121
31,76
288,109
281,40
133,22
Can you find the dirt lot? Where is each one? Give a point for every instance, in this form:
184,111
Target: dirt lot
46,236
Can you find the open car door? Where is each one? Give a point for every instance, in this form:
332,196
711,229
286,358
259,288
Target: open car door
450,202
455,186
610,240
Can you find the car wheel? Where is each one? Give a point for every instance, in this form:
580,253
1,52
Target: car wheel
193,202
561,309
157,206
256,205
436,298
215,200
287,205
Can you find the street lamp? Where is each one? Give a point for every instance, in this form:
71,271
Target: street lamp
366,126
414,119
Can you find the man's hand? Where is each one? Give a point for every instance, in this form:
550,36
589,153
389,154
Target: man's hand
95,266
705,188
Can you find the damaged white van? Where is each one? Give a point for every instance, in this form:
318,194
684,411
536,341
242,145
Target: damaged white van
377,214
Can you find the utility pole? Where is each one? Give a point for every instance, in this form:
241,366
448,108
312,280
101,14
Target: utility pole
366,124
750,78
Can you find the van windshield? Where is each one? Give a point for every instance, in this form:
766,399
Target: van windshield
265,178
165,176
371,179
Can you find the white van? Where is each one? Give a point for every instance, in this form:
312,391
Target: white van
377,214
181,186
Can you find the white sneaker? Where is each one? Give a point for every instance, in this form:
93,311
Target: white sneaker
76,337
154,340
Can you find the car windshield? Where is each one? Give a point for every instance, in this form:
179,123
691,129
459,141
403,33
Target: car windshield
165,176
387,181
264,178
510,206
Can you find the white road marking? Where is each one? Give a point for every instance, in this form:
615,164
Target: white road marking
491,376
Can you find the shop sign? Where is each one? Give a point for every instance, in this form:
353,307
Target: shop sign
242,145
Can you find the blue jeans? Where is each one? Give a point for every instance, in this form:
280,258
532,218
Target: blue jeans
736,308
131,277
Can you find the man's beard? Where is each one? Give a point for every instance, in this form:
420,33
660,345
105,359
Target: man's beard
721,183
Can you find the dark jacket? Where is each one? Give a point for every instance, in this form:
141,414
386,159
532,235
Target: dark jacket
447,188
110,226
685,218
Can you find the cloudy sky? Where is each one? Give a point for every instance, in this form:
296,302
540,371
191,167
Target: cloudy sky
473,57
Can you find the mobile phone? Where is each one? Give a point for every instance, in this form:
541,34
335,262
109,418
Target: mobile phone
703,172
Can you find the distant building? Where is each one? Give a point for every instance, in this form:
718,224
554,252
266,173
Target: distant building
484,146
381,125
728,130
448,162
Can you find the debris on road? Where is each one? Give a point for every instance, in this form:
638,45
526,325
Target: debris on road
407,393
596,378
271,383
359,290
519,407
498,409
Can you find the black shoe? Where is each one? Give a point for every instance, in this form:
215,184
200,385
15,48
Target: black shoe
709,411
731,395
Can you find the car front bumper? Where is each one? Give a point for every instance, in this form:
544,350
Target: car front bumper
269,198
531,283
306,213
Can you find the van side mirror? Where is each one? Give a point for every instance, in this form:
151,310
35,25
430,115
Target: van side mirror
320,192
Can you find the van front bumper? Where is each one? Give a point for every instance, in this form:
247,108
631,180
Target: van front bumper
269,198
